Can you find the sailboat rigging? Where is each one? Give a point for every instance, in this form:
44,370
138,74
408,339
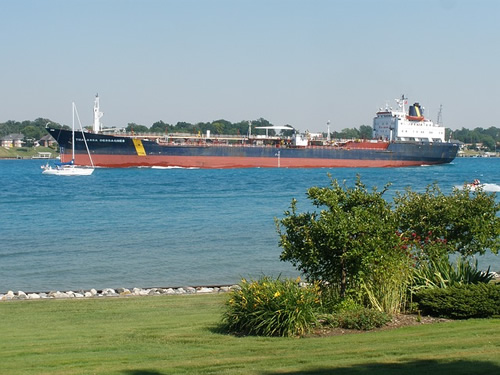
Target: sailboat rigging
69,169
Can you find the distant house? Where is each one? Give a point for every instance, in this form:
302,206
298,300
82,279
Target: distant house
12,140
46,141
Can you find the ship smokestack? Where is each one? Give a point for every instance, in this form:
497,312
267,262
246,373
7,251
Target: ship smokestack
415,110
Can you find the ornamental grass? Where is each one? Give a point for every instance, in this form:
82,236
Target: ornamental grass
272,307
441,273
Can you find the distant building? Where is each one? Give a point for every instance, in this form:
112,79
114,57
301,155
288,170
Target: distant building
12,140
46,141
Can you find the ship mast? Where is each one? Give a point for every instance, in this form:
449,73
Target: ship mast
401,103
97,115
440,116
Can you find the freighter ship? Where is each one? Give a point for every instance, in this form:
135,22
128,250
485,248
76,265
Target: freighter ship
400,139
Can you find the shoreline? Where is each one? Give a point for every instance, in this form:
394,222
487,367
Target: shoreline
134,292
118,292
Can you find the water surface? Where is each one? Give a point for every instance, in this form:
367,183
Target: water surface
145,227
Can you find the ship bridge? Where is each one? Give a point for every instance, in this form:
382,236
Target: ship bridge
400,125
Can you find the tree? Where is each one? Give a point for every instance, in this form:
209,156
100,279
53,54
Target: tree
488,142
260,123
159,127
219,127
9,127
350,133
242,127
365,132
41,122
136,128
365,248
463,222
449,133
489,137
352,235
32,133
183,127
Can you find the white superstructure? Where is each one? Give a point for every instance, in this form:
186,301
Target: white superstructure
97,115
397,125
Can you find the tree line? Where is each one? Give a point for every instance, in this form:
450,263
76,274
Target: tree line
489,138
33,130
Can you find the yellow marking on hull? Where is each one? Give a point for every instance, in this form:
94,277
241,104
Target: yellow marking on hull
139,148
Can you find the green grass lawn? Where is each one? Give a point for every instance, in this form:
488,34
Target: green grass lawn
179,335
24,152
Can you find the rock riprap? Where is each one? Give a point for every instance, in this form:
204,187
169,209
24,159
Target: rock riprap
110,292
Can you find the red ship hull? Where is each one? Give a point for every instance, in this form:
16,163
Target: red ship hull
125,161
121,152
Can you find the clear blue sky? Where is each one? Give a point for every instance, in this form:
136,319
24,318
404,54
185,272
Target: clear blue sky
291,62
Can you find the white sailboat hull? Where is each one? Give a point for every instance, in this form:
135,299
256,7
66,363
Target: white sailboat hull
68,170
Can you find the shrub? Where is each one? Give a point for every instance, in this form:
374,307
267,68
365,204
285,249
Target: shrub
350,234
330,298
271,307
357,242
386,287
360,318
460,301
440,273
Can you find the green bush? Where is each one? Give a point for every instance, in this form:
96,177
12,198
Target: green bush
440,273
460,301
360,318
271,307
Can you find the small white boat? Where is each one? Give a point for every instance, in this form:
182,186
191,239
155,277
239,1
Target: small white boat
476,184
69,169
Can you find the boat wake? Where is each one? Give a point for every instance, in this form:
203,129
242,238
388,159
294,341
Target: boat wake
485,187
160,167
491,187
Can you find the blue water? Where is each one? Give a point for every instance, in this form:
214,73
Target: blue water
170,227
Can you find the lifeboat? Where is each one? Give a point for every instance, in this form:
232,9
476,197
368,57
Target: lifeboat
415,118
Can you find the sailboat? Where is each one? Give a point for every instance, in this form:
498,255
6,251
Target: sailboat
69,169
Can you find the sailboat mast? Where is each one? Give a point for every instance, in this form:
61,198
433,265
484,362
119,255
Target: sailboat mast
73,134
